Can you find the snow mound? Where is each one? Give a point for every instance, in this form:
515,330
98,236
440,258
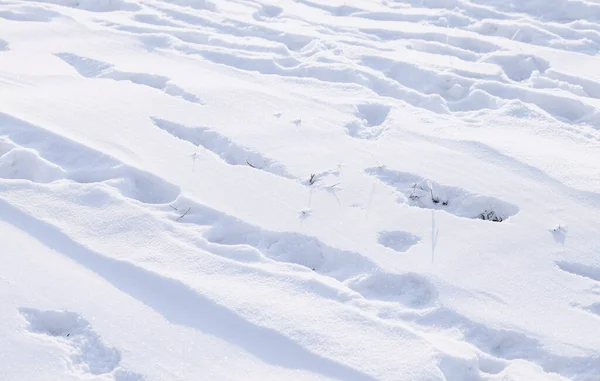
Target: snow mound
299,190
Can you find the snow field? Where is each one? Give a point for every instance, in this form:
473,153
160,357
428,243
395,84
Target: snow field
357,190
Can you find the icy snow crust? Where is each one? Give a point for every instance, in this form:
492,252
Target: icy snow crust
299,190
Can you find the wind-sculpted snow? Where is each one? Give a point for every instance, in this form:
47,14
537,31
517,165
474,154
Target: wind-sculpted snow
299,190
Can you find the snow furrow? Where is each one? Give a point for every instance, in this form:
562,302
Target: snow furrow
295,189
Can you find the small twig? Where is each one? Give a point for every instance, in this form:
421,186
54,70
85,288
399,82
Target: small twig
413,196
183,215
194,157
375,160
174,208
313,179
334,185
247,162
304,214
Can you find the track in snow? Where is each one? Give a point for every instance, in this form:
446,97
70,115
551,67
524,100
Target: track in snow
88,353
406,84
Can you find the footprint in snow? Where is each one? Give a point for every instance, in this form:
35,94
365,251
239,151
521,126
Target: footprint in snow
369,120
90,68
267,11
580,269
89,354
423,193
50,157
410,289
222,146
397,240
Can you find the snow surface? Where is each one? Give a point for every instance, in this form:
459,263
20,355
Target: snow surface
299,190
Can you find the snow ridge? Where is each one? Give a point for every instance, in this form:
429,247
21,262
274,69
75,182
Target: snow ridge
302,190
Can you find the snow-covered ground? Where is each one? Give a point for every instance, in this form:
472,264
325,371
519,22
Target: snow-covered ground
300,190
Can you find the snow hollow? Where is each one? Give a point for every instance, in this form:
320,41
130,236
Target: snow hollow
346,190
